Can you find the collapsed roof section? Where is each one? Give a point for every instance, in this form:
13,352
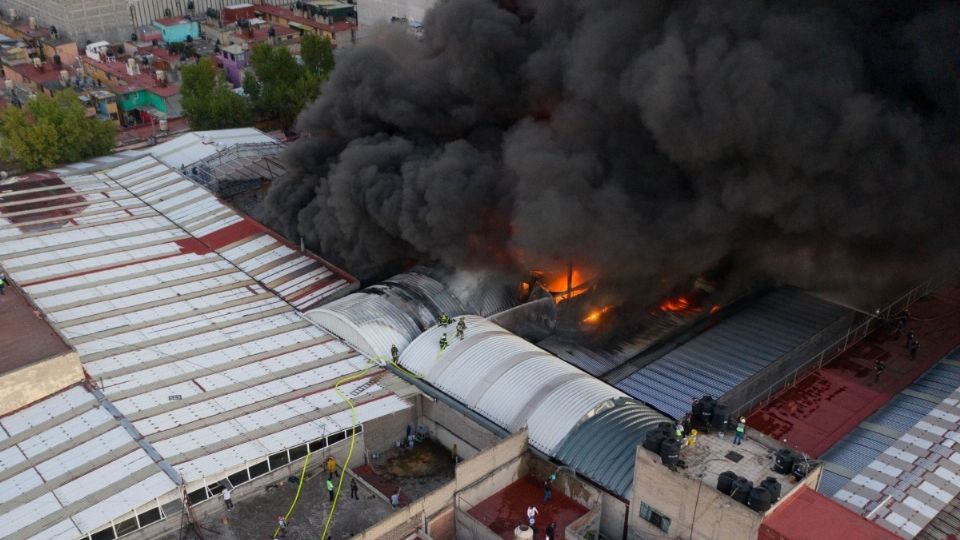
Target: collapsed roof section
393,312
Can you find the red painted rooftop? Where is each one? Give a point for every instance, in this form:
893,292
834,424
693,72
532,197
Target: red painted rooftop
289,15
50,71
262,34
146,80
25,338
824,406
808,515
507,508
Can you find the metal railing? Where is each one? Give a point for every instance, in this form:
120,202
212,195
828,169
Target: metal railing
852,336
207,171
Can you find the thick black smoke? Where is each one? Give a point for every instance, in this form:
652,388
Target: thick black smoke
816,142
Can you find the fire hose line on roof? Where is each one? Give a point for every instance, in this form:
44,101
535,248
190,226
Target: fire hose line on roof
353,439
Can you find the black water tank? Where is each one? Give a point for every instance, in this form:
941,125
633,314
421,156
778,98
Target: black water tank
670,451
696,409
652,440
707,404
759,499
741,489
725,482
720,411
784,461
771,485
800,468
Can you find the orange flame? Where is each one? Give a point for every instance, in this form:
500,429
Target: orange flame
714,309
556,283
595,315
679,303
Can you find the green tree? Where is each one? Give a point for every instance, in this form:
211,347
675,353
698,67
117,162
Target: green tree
208,101
51,131
317,54
278,86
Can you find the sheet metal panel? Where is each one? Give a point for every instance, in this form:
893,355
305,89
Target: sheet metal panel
26,513
522,382
565,407
726,355
603,448
856,450
472,370
74,398
118,504
130,322
390,313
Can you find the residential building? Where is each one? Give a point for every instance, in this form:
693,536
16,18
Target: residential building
337,27
145,94
177,29
47,42
233,59
407,12
78,20
144,12
41,77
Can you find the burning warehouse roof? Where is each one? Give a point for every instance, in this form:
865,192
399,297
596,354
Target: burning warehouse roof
810,141
742,357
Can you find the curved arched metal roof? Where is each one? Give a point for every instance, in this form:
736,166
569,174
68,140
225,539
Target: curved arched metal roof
604,447
393,312
509,380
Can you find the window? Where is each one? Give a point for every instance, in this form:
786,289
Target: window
215,488
126,526
197,496
105,534
655,517
259,469
171,508
279,460
238,478
318,444
336,437
298,452
149,517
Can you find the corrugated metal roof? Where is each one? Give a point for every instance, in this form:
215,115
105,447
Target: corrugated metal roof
862,445
604,447
176,152
511,381
913,479
393,312
183,310
724,356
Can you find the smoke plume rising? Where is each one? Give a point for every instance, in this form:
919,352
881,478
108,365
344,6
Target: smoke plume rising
811,141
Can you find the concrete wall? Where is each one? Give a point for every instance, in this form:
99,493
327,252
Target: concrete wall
36,381
449,427
78,19
435,508
469,528
677,498
613,516
383,433
442,526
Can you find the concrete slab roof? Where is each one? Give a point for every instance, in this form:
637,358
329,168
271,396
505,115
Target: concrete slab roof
25,337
